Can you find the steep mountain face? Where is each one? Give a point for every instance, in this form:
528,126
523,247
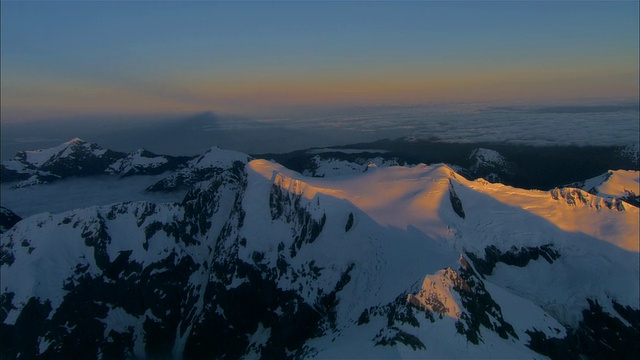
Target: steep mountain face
80,158
199,169
260,261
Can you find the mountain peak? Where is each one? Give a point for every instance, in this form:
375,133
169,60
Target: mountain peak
75,140
216,156
484,156
43,156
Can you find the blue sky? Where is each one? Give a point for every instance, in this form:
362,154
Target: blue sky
74,58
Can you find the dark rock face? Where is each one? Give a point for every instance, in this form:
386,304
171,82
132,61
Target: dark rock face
287,206
349,224
575,197
398,314
631,198
456,203
21,337
7,219
257,302
479,306
599,335
514,257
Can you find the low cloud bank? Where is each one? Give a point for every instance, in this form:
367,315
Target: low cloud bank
193,134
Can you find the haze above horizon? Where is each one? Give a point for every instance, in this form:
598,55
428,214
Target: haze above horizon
70,59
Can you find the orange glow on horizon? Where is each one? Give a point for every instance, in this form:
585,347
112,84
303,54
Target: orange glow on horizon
280,91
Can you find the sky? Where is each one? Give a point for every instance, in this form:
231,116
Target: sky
70,58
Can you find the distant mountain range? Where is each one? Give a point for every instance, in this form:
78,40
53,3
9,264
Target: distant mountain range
80,158
524,166
351,252
531,167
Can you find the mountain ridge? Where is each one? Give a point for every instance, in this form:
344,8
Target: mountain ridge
77,157
393,262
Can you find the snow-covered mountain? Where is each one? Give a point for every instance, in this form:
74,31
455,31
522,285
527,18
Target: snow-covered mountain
261,261
328,162
489,164
623,185
80,158
523,166
328,165
200,168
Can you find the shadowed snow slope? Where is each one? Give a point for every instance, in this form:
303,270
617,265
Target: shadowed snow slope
395,262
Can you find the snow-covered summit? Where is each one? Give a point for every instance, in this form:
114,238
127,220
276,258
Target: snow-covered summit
69,149
201,168
217,157
618,184
487,157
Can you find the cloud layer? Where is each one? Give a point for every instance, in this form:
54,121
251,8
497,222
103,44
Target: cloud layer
187,135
